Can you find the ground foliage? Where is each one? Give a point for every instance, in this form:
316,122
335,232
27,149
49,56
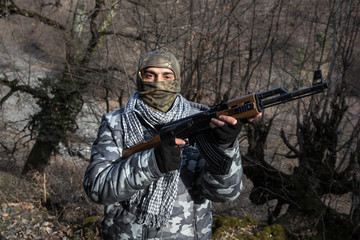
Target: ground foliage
25,215
227,227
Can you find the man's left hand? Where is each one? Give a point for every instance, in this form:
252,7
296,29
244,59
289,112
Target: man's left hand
225,129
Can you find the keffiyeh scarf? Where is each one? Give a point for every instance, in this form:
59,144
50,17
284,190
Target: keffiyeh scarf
155,207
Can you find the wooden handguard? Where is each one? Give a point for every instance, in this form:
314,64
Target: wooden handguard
239,102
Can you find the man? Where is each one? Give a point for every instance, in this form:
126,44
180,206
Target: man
164,192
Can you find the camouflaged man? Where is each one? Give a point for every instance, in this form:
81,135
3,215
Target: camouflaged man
164,192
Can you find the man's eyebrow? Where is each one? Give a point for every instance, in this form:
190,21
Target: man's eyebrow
164,73
148,71
168,73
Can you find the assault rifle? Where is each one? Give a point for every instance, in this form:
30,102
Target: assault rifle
240,108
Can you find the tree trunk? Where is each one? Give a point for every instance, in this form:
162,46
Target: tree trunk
56,118
40,153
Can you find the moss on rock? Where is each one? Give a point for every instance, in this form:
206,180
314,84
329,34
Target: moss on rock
227,227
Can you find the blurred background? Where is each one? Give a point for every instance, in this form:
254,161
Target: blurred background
64,63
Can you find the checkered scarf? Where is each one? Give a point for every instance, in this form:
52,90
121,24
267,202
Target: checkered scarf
153,208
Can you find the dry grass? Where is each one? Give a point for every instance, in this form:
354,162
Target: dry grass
55,197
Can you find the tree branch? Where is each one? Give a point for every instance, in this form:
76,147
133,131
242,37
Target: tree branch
13,9
134,36
14,87
287,143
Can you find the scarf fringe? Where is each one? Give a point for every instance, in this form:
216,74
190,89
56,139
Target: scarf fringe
152,220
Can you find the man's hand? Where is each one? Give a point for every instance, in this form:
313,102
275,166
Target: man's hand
219,122
225,129
168,155
250,119
179,141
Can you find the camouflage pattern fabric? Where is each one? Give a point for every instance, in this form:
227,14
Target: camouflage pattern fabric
161,59
110,180
159,95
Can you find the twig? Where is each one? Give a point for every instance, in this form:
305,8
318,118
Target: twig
44,188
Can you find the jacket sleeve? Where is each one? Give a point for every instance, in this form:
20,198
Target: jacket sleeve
221,186
109,178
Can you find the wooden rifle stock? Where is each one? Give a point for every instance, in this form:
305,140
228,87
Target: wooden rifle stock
146,145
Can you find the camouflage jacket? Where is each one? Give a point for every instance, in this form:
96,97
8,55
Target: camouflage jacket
109,180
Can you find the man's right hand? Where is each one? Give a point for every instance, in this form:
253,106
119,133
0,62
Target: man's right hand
168,154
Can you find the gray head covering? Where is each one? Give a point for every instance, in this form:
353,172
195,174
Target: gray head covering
158,58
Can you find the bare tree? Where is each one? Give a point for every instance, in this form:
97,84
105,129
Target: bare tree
324,137
81,36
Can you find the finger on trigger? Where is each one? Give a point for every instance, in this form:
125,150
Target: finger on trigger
179,141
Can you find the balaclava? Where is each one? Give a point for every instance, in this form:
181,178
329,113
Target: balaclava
159,95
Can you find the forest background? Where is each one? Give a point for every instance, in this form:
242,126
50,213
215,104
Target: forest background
64,63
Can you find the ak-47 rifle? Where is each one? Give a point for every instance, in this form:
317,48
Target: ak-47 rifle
240,108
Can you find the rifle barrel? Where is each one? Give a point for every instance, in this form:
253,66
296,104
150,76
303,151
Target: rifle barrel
286,96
